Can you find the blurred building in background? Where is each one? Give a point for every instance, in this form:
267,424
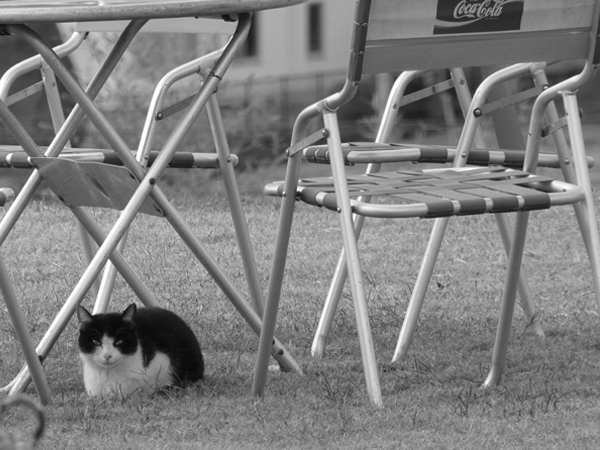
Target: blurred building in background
302,40
292,56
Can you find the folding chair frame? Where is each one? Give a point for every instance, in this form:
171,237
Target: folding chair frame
389,117
561,159
146,178
346,207
20,327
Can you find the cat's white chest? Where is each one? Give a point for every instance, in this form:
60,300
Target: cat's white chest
109,372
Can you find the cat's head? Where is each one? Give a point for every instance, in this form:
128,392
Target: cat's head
106,339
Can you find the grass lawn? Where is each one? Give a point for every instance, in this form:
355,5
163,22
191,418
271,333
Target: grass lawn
549,397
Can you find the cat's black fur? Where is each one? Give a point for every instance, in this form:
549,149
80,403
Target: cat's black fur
152,331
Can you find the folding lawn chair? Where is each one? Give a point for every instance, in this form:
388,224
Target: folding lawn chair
482,155
390,36
119,178
15,157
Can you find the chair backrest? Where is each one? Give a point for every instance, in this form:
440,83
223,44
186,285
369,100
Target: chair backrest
395,35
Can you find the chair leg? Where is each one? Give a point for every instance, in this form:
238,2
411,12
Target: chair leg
506,125
329,308
282,241
20,327
527,305
420,289
576,173
353,261
350,247
235,204
588,221
284,228
508,300
333,297
591,238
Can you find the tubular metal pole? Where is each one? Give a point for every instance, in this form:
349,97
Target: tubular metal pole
282,240
20,327
235,204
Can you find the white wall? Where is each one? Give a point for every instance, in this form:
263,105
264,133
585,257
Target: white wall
283,42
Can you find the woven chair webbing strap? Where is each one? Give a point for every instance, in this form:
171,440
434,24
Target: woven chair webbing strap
445,192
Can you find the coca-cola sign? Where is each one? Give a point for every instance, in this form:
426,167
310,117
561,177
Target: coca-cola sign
476,16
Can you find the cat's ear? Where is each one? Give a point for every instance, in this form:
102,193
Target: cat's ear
129,313
83,314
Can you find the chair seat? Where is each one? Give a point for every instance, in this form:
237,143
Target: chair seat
92,184
439,192
373,152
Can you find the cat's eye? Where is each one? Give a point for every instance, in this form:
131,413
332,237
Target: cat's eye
96,342
118,341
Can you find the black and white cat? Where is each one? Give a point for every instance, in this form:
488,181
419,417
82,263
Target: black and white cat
140,349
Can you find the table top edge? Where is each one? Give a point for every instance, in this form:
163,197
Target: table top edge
57,11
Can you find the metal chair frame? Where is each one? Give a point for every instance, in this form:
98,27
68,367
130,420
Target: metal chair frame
381,53
137,13
481,155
